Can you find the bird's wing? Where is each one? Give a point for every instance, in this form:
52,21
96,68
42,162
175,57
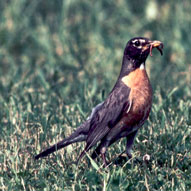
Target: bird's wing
108,115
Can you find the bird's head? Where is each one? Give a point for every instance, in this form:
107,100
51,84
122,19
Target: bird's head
138,49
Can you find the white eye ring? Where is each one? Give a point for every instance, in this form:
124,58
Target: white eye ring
137,43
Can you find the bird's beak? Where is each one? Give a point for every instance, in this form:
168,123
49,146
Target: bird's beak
155,44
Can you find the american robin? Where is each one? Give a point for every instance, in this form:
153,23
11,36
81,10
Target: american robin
124,111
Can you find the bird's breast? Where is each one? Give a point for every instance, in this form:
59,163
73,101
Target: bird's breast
140,96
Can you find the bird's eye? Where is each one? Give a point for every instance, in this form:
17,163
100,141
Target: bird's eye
137,43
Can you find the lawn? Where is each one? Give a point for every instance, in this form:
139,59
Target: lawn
58,59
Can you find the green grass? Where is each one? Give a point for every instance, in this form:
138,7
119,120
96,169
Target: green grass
58,59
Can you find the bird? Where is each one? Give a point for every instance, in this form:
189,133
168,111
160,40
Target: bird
125,109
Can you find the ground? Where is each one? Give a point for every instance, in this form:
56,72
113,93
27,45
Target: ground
58,59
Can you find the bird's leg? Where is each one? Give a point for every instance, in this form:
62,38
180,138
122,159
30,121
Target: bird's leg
103,150
97,151
130,139
104,159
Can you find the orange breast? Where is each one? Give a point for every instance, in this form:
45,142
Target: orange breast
140,96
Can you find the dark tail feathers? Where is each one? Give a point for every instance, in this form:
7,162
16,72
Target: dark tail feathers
79,135
52,149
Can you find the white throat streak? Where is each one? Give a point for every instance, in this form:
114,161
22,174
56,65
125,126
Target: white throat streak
142,66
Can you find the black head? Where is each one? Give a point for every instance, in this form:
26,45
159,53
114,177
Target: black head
138,49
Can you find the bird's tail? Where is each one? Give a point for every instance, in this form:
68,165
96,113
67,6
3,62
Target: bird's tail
79,135
53,148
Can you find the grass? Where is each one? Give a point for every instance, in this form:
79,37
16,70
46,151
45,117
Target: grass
58,60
